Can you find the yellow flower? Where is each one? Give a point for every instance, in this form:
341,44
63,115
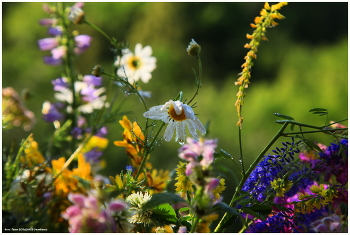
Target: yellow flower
133,141
32,156
219,189
281,186
65,181
157,181
95,142
203,226
183,183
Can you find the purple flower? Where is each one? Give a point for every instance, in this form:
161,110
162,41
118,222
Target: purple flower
46,44
76,132
213,184
82,43
92,80
89,94
51,61
60,83
55,31
51,112
102,132
48,22
59,52
93,156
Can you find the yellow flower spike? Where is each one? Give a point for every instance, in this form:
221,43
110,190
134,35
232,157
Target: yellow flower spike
262,22
183,184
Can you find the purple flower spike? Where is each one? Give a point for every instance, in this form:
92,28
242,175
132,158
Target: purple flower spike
93,156
71,212
92,80
46,44
51,61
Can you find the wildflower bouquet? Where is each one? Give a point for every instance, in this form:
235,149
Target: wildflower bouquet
300,186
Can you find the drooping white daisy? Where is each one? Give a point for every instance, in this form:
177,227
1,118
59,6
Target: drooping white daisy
178,115
138,65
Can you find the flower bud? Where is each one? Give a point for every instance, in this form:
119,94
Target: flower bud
193,48
76,15
97,70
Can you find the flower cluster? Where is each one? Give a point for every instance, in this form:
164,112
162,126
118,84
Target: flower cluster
87,215
58,44
14,113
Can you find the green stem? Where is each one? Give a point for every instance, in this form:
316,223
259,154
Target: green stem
101,31
68,63
198,80
148,150
194,225
310,132
246,175
240,148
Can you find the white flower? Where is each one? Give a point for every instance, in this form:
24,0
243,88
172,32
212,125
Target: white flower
136,201
136,66
178,115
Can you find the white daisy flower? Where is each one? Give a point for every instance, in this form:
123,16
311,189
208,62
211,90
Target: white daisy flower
136,66
178,115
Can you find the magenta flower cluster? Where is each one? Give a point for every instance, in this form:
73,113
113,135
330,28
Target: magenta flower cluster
87,215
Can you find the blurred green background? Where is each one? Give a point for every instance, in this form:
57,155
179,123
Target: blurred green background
302,66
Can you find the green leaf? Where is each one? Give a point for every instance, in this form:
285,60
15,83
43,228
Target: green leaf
312,145
253,213
244,201
283,116
245,194
261,209
165,214
184,209
220,206
318,110
162,198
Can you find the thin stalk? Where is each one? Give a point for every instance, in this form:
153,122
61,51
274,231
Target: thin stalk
148,150
101,31
240,149
198,80
194,225
246,175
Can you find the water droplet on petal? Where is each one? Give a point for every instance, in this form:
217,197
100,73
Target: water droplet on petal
181,142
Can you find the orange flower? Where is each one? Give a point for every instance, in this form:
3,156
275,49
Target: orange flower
133,141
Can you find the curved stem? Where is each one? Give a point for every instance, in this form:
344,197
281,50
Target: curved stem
240,148
101,31
194,225
198,80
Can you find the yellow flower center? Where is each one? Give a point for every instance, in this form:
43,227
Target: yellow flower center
134,62
177,117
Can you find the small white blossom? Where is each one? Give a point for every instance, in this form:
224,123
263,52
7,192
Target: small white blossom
138,65
178,115
136,201
193,48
